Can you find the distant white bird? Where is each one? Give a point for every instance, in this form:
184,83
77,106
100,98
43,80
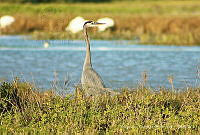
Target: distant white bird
6,21
109,22
76,24
46,45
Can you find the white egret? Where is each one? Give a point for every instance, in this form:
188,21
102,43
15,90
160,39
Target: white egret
76,24
109,23
6,21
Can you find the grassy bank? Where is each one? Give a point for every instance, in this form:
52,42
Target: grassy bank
138,111
153,22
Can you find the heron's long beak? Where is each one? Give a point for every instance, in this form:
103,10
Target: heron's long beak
97,23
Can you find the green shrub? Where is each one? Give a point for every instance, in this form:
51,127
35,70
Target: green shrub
136,111
9,97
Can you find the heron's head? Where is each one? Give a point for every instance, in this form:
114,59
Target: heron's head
92,24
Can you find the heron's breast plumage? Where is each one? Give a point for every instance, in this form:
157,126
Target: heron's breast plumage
91,78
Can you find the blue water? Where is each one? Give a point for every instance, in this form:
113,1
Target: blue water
120,63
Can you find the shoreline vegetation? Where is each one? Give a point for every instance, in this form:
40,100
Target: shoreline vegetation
25,110
148,22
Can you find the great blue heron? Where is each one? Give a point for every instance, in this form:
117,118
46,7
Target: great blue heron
91,80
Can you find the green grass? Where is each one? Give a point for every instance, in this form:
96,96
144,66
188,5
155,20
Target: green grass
137,111
114,8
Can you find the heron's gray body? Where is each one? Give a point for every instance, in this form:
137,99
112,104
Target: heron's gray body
90,78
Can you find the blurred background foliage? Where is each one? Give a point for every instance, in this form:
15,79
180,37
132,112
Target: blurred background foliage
71,1
47,1
169,22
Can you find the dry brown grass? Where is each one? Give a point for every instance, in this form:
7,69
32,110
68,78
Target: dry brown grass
150,29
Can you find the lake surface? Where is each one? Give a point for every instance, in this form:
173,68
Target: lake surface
120,63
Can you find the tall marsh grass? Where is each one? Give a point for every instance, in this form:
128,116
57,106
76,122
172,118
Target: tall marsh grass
23,109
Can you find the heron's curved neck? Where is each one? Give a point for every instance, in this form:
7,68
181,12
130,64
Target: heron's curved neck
87,62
